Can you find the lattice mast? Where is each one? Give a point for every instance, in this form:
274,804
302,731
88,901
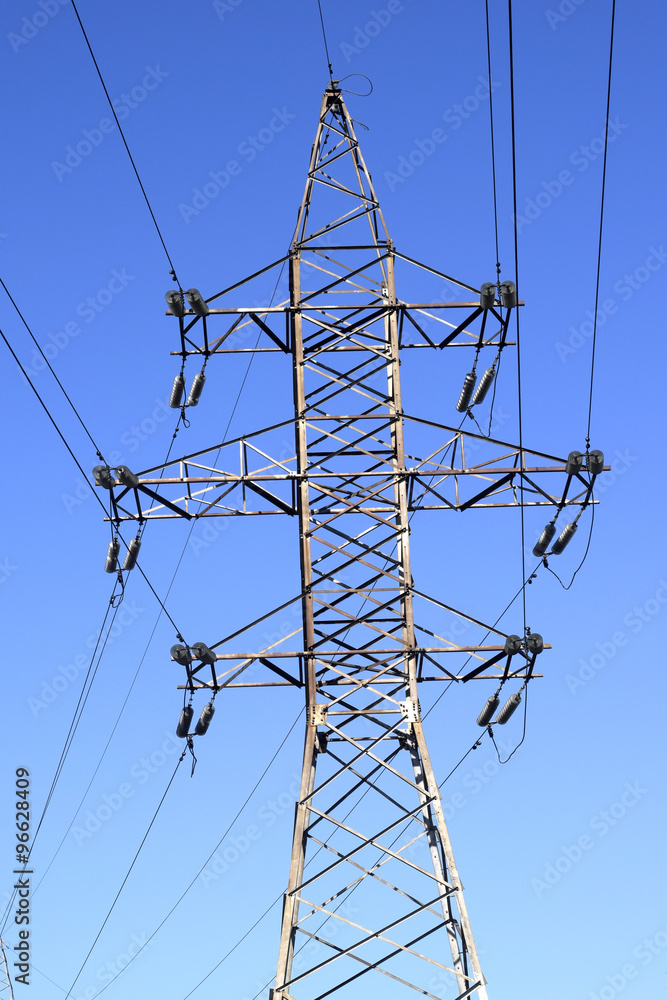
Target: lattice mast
373,613
6,988
373,886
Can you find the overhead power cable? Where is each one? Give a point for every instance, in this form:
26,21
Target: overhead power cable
65,442
76,719
127,875
229,827
118,718
143,656
493,149
87,685
52,419
516,279
234,947
324,36
162,609
83,473
48,363
81,704
127,148
83,424
604,180
106,747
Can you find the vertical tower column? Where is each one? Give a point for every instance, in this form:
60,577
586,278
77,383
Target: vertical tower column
366,781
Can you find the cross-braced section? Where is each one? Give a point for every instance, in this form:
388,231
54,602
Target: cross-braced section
6,988
376,895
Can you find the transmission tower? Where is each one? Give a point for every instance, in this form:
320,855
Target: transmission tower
373,889
6,988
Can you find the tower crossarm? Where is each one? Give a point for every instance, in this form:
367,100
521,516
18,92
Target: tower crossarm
464,470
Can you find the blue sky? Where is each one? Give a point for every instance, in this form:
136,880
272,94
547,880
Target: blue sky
561,849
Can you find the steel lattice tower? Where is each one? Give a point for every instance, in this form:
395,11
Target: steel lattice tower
6,988
373,886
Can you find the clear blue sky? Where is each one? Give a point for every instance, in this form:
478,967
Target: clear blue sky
561,851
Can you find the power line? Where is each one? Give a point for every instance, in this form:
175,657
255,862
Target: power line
162,609
604,178
76,719
99,762
122,886
324,36
73,456
493,151
518,336
61,386
229,827
120,713
81,704
83,424
127,148
52,419
233,949
115,726
85,691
